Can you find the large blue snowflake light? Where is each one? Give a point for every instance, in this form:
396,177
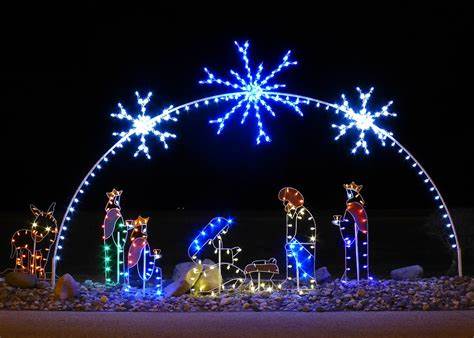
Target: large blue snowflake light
255,92
362,120
143,125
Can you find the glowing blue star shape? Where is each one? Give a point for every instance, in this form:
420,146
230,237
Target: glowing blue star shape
362,120
256,91
143,125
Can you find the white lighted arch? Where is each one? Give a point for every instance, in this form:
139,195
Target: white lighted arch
252,93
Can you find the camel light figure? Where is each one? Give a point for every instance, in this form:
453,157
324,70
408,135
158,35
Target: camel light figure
300,242
354,229
31,247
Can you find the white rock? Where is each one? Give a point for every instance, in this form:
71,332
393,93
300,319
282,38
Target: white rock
407,272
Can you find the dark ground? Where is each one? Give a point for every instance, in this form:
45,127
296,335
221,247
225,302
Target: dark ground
450,324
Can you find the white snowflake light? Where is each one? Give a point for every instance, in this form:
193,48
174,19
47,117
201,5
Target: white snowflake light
362,120
143,125
256,91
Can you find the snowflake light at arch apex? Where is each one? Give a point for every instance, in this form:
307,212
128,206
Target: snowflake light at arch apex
143,125
257,92
362,120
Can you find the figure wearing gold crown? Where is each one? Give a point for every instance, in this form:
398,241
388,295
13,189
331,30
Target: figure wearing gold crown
354,229
115,237
141,260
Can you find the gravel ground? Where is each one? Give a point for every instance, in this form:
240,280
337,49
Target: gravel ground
444,293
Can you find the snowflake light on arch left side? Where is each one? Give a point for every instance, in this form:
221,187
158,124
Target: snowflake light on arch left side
143,125
363,120
256,92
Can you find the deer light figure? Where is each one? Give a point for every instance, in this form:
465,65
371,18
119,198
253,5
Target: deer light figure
31,247
354,229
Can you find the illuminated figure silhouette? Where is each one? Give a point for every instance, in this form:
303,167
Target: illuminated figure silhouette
354,229
300,245
141,260
31,247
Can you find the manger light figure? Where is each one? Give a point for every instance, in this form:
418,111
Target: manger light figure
115,238
31,247
354,229
210,237
141,260
300,242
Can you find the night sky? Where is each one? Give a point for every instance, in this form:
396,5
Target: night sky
66,73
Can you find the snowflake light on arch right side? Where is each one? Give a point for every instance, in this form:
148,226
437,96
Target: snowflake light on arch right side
362,120
256,91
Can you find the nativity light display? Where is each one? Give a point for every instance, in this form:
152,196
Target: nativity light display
252,94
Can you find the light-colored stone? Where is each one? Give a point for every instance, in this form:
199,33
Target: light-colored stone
182,269
66,287
21,280
42,284
210,279
186,281
407,273
470,296
322,275
208,262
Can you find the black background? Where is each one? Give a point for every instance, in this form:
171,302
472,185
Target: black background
65,70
